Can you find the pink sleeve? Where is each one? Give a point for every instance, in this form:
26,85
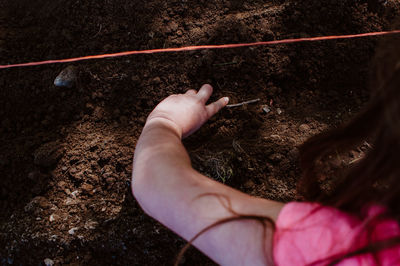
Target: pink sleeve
308,232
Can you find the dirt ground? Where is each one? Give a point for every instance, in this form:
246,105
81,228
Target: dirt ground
66,153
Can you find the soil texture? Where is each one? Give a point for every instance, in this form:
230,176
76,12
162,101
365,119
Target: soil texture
66,152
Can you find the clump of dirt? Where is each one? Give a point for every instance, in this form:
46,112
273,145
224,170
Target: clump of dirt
67,152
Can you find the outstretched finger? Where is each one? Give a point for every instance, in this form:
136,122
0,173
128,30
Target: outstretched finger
191,92
205,93
214,107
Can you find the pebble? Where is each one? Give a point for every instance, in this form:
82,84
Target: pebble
74,194
279,111
53,217
110,180
276,137
72,230
69,202
87,188
304,128
266,109
67,77
61,185
48,262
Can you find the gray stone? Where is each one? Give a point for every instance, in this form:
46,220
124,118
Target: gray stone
67,77
72,230
266,109
48,262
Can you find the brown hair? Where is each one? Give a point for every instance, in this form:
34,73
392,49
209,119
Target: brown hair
379,122
375,178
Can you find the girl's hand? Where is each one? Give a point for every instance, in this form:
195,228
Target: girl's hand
188,111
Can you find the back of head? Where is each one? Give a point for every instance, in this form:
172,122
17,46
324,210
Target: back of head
374,178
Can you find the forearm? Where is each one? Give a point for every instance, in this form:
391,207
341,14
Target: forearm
162,172
170,190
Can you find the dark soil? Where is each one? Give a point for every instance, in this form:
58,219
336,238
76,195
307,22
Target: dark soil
66,154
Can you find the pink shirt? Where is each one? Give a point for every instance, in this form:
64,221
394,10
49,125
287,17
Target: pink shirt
308,232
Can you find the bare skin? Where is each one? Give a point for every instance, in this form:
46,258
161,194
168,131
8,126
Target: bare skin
171,191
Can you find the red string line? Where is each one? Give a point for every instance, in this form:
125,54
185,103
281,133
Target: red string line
200,47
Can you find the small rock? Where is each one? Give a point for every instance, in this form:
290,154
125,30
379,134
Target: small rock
48,262
266,109
74,194
276,137
61,185
88,188
72,230
67,77
70,202
304,128
279,111
53,217
110,180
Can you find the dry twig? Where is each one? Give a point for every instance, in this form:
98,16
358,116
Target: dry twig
243,103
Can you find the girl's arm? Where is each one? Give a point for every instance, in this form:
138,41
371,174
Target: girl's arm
171,191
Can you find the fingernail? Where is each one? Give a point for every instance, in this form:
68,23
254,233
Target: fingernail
226,99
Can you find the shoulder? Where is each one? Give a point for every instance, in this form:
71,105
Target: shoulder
308,232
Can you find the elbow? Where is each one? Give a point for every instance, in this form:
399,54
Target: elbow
138,188
143,186
136,183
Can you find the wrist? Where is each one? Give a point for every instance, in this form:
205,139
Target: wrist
163,122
